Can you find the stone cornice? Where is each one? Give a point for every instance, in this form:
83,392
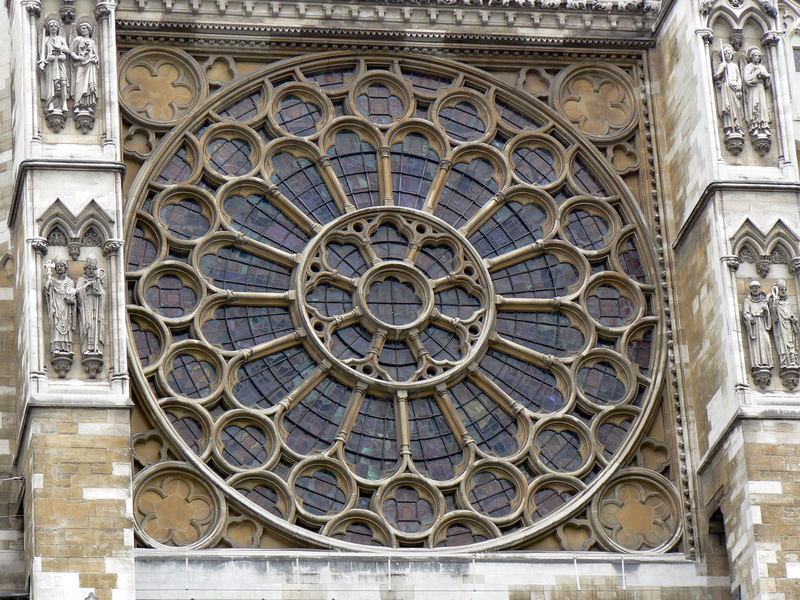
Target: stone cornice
559,19
64,164
716,186
258,37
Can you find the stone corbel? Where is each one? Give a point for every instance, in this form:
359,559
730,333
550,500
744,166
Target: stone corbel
706,34
705,6
794,266
771,37
67,12
103,10
111,247
763,265
732,262
737,39
74,249
34,7
39,245
768,7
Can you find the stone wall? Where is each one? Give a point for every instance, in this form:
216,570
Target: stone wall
12,573
77,472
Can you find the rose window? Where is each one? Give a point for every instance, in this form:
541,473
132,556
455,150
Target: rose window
385,302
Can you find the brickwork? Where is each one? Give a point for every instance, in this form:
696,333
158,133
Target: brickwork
77,469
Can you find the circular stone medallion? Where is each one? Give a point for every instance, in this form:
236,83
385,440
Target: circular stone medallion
377,274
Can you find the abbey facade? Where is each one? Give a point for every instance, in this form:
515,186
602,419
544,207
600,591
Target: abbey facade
355,300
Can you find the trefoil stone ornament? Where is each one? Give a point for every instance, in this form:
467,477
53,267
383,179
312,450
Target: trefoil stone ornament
54,84
728,81
61,304
91,298
785,331
756,80
758,323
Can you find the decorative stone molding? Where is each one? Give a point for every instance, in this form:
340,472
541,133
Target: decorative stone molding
553,18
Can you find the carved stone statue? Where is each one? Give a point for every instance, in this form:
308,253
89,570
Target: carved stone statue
785,330
54,88
758,323
756,81
91,312
728,80
83,52
61,311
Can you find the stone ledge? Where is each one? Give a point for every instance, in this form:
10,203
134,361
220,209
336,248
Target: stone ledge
257,574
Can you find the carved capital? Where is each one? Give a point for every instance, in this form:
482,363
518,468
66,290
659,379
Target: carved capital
67,12
111,247
34,7
706,34
39,245
385,151
103,10
732,262
771,37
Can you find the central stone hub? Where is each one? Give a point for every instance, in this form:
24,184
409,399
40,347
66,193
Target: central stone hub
394,298
395,295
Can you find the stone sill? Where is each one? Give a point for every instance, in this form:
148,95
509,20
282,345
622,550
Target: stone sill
259,574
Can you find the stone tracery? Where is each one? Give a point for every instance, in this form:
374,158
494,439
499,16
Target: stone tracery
393,314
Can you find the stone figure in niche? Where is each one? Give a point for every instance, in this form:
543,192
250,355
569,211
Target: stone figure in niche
83,52
756,80
54,88
728,79
61,311
785,330
91,298
758,323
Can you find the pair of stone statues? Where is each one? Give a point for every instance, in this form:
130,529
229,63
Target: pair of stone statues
742,99
68,72
769,318
80,304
